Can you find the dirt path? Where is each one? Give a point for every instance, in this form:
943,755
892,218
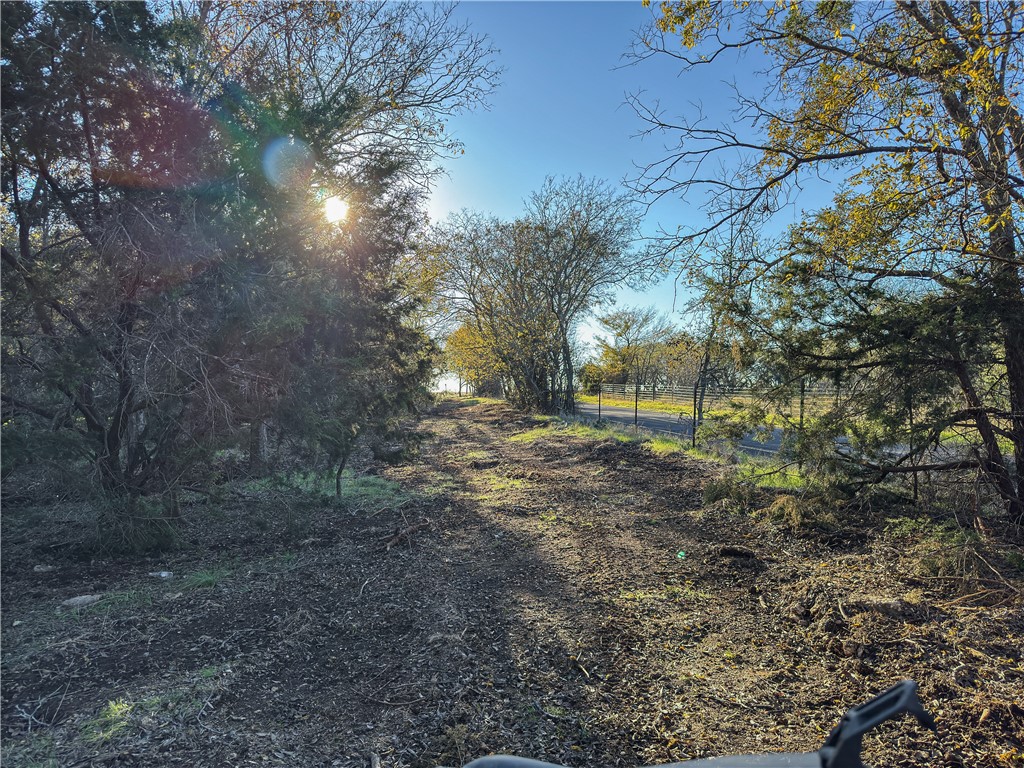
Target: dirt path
571,601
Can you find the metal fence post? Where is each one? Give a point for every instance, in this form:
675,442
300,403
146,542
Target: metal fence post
693,423
599,388
636,404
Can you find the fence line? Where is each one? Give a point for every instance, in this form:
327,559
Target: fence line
684,393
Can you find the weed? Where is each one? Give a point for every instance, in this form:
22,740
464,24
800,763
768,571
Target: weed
937,548
577,429
288,558
549,516
372,494
33,749
787,510
664,446
205,579
112,719
771,475
116,600
742,494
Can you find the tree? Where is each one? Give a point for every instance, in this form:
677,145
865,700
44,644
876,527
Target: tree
586,238
917,106
168,273
490,277
379,78
473,358
526,285
635,352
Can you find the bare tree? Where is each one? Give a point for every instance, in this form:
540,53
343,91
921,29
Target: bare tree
528,284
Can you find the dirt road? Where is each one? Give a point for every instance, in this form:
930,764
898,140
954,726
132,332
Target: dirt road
568,600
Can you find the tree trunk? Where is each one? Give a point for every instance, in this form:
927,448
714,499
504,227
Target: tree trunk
341,468
258,446
570,394
1012,323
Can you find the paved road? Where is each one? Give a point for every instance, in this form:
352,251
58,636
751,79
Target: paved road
669,423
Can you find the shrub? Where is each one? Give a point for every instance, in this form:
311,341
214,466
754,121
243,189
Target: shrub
132,524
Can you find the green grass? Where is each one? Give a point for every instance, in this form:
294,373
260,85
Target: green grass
499,483
206,579
719,409
663,406
111,721
665,446
561,428
372,494
770,474
763,473
34,749
468,400
117,600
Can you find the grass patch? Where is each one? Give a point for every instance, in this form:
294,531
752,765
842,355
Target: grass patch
531,435
112,720
313,483
662,406
33,750
937,548
372,494
117,600
207,579
444,485
502,483
768,474
665,446
584,431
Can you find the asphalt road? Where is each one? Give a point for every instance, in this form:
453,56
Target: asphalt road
671,424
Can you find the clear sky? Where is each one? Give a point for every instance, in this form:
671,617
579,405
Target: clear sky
560,110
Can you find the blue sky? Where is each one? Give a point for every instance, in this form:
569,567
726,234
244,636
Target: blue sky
560,110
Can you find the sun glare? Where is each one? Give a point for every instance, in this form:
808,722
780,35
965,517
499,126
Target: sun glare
335,209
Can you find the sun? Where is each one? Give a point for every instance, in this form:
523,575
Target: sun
335,209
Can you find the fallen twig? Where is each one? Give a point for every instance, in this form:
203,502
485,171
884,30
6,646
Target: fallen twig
403,534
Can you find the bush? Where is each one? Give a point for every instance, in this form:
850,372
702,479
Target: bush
729,487
134,524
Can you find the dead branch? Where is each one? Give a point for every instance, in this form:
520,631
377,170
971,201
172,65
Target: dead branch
405,534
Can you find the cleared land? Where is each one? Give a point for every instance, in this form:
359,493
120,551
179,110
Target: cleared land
559,594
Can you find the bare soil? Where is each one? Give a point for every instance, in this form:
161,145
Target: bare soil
568,600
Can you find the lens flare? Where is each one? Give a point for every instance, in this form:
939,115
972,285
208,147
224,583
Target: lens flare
288,163
335,209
